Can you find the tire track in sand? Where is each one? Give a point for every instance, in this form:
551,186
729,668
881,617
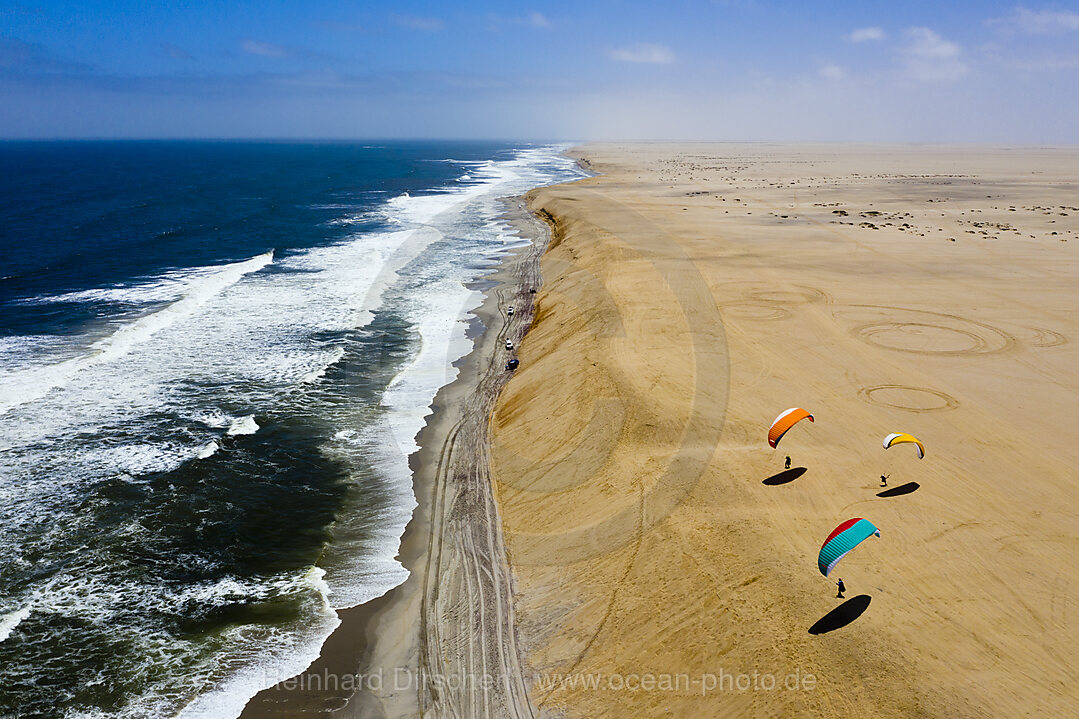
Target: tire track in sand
468,653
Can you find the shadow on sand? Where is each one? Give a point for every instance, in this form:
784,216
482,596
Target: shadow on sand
842,615
787,475
900,490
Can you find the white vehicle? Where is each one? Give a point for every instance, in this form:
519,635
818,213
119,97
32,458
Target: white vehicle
509,310
509,345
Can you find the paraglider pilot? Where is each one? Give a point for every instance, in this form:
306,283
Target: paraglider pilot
787,463
884,480
841,588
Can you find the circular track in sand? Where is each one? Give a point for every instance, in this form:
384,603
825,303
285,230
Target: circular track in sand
755,311
1043,337
795,295
922,337
911,399
923,332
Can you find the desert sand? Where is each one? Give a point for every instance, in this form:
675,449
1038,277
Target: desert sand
693,292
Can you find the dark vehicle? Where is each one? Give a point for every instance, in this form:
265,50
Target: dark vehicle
512,364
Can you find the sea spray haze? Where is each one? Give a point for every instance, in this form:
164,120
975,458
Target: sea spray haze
214,358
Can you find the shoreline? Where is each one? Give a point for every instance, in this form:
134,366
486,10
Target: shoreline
380,660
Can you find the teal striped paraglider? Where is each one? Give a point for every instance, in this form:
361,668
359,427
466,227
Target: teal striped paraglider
842,540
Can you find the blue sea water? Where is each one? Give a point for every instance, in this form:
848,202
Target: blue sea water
214,358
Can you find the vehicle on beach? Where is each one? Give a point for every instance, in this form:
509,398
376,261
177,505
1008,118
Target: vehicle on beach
509,344
512,364
509,310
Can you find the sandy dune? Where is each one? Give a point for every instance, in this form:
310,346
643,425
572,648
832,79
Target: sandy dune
691,294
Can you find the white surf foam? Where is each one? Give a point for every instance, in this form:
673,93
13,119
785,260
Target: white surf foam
167,288
329,361
437,319
260,656
8,622
31,384
214,419
136,458
452,161
275,663
244,425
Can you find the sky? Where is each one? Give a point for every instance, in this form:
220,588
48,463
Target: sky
737,70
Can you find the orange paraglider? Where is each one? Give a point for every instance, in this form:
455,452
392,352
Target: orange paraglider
784,422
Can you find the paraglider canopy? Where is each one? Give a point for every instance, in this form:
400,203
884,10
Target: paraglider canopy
902,438
784,422
842,540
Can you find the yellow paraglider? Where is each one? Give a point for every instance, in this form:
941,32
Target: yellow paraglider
903,437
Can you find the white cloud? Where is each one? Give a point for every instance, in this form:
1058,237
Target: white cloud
532,19
1039,22
645,52
930,58
833,72
865,34
264,49
416,22
537,19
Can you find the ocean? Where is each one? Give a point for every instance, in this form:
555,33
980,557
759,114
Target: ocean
214,359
